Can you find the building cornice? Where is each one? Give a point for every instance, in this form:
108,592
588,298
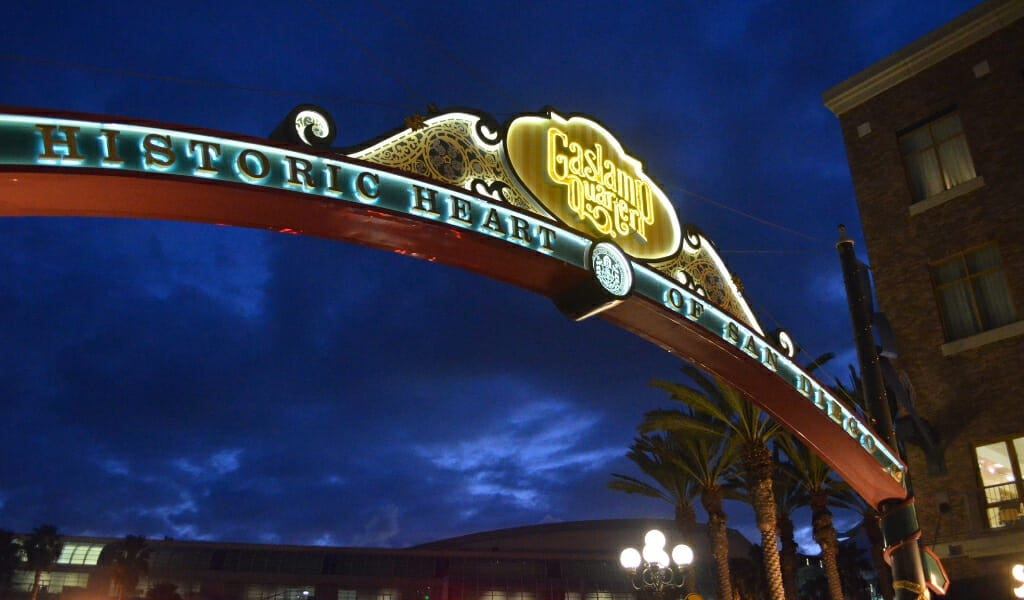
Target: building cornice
969,28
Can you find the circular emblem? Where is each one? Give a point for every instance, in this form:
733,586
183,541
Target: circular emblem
612,269
445,159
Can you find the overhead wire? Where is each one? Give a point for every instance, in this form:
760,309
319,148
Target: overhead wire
328,17
454,59
754,218
800,349
193,81
815,251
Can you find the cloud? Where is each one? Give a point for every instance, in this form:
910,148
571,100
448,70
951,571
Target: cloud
380,529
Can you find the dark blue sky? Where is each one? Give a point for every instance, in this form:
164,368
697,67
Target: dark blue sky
205,382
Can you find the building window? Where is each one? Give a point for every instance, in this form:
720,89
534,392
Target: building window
972,292
49,582
75,553
936,156
999,469
273,592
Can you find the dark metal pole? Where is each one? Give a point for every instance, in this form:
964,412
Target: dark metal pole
899,521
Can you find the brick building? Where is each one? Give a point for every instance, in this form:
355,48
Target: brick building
934,136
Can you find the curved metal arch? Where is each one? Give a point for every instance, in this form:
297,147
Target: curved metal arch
89,166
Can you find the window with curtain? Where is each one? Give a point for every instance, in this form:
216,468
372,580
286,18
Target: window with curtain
972,292
936,156
999,471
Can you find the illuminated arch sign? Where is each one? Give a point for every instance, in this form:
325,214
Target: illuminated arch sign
552,205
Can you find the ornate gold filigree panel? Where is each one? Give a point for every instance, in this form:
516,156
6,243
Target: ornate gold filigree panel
460,149
700,269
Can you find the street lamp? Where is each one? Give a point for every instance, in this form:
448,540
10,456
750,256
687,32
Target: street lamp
653,569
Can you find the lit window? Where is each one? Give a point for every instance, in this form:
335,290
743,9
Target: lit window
270,592
972,292
51,583
937,156
999,470
79,554
602,595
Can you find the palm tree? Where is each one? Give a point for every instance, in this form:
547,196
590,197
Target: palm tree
705,464
654,455
42,549
129,563
729,414
788,497
822,488
711,463
10,559
163,591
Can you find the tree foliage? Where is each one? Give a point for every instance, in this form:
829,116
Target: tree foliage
42,548
163,591
716,410
10,559
129,562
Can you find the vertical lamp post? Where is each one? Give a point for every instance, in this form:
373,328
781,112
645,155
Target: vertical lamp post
653,570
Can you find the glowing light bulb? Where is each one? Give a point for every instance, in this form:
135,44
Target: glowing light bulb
682,554
655,539
630,558
663,560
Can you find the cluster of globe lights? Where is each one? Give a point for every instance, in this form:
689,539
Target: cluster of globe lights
653,568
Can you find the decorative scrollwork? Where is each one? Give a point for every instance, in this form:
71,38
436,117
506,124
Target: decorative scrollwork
312,127
443,149
699,269
784,342
689,284
306,124
692,237
488,130
494,189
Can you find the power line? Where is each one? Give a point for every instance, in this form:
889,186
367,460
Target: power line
814,251
747,215
426,39
192,82
326,15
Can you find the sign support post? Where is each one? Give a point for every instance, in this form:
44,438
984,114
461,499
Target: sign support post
899,519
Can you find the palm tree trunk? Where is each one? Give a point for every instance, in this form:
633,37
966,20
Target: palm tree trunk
718,537
35,584
758,465
788,557
825,534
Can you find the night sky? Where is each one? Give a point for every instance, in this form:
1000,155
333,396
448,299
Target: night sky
204,382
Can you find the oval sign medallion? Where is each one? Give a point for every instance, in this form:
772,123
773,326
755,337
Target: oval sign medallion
583,177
